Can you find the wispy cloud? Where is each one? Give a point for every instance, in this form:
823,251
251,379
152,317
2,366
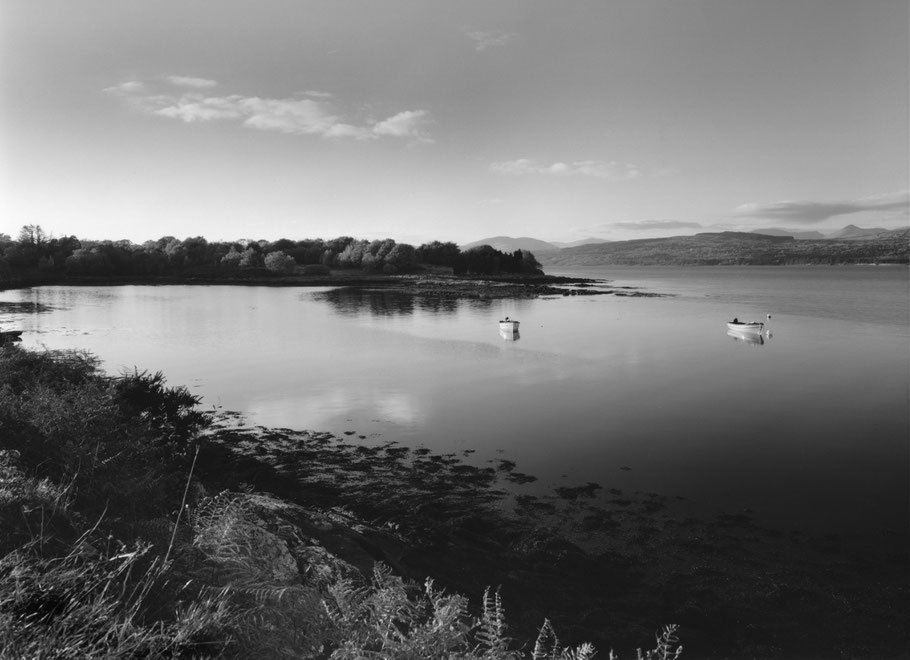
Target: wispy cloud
809,212
128,87
484,40
657,225
407,124
309,113
600,169
187,81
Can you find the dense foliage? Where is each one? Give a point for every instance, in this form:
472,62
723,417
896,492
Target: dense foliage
35,256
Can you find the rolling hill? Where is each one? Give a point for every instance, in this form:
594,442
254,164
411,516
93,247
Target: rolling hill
509,244
735,248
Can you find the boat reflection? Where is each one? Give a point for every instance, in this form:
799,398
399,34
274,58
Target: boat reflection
509,335
747,337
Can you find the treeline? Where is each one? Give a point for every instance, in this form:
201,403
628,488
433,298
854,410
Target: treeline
35,255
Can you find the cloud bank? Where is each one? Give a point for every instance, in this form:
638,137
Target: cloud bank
808,212
600,169
189,100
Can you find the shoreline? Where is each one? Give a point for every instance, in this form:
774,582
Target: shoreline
447,286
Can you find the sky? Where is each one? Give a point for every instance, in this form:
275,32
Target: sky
454,120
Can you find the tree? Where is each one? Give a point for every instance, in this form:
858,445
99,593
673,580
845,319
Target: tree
352,255
279,262
402,257
232,258
439,254
251,257
281,245
88,261
529,263
196,251
32,235
483,260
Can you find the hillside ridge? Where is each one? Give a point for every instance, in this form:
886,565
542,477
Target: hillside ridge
736,248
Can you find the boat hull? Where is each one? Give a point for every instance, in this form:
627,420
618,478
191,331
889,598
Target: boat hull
754,326
508,326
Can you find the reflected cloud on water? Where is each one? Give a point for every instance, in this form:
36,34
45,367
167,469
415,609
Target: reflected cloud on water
332,408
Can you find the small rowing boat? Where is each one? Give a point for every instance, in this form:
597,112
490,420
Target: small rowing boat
745,326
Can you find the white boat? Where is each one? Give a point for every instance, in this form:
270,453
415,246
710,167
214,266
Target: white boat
750,326
508,325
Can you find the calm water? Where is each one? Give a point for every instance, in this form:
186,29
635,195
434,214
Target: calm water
809,428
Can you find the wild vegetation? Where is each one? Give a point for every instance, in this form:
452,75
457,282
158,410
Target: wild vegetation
36,257
113,546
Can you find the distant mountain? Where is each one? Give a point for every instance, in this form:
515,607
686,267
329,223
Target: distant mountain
854,232
584,241
734,248
509,244
798,235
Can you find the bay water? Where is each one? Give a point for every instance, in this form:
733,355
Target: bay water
806,429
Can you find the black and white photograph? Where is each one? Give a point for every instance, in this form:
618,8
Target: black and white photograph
505,329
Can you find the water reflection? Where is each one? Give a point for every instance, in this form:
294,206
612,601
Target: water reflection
393,303
588,372
509,335
24,307
746,337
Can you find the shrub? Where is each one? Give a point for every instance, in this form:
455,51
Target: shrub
120,444
279,262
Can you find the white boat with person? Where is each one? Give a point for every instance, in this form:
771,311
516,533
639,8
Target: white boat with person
508,329
746,326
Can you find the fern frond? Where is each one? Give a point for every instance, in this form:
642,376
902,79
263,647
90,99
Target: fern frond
584,652
664,650
491,632
546,647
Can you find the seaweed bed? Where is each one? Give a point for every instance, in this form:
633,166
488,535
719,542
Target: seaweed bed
609,570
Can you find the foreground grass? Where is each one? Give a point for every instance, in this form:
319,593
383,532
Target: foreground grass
112,548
